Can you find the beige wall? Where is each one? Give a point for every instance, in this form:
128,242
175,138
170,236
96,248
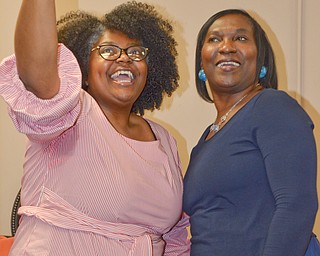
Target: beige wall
294,30
11,142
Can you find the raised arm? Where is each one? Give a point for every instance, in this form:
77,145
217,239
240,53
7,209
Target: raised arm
36,47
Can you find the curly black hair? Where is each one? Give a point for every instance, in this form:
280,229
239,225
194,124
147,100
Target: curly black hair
141,21
80,30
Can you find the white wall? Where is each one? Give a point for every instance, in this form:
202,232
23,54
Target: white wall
294,30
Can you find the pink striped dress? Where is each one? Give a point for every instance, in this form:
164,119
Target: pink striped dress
86,189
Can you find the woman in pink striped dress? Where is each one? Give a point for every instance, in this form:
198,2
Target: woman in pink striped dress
99,179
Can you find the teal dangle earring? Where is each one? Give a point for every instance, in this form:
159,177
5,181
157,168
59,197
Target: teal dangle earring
202,75
263,72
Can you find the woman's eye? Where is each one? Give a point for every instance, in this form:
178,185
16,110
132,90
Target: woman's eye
241,38
213,39
135,52
109,50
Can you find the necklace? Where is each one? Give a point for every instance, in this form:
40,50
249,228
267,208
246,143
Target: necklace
216,127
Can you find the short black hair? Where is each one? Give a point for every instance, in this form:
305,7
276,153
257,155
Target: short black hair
80,30
265,56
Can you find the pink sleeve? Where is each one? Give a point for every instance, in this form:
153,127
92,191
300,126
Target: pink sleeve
42,119
177,242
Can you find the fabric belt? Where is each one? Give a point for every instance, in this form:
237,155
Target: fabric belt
54,210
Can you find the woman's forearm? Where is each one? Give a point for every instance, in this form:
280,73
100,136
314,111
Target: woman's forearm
36,47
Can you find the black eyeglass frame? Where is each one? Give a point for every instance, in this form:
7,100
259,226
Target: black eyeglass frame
121,51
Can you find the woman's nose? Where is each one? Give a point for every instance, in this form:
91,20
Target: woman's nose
227,46
124,56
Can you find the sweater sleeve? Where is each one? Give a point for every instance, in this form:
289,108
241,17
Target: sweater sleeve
284,134
42,119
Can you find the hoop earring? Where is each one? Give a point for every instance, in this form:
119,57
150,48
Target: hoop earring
263,72
202,75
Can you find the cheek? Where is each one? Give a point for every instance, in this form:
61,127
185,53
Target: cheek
207,54
146,71
251,63
251,54
143,70
91,66
97,66
97,70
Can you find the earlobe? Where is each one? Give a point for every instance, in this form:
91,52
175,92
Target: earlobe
86,85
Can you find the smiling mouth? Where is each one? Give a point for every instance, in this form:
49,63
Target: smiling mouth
228,64
123,76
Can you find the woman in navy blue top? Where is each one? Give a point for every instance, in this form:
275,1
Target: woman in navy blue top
250,188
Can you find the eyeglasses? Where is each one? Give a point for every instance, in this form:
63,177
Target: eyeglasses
113,52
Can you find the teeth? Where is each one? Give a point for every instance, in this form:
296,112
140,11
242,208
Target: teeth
228,63
122,72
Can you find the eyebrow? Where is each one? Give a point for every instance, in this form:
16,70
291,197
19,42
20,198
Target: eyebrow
242,30
115,44
107,42
239,30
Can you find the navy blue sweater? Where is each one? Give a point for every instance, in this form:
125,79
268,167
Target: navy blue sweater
250,190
